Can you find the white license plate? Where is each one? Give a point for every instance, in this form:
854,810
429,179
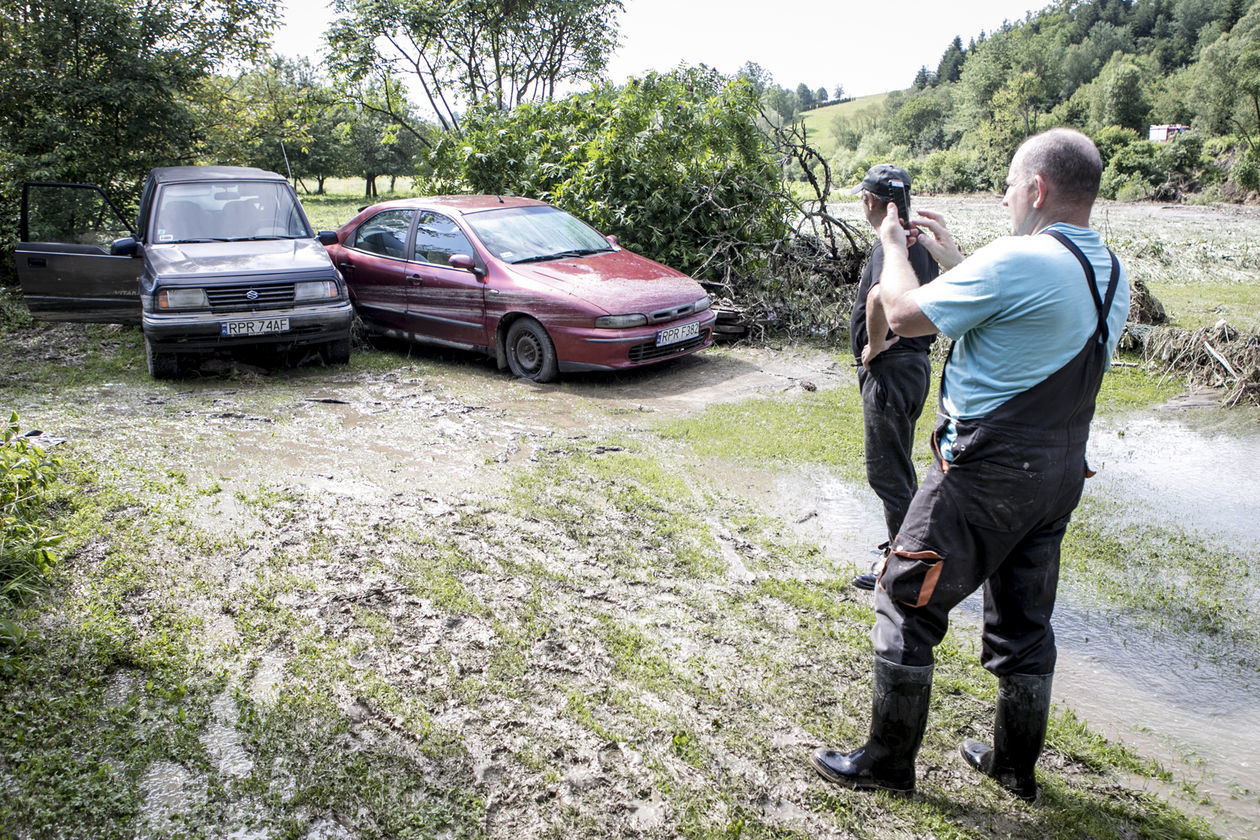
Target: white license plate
673,335
238,329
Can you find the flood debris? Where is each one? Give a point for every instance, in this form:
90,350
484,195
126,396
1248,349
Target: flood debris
1218,357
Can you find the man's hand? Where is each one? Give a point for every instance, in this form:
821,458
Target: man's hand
874,348
891,233
941,243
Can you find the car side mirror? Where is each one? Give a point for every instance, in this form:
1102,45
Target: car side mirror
613,240
125,247
327,237
465,262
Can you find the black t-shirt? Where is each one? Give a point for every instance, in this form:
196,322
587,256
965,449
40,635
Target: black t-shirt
925,268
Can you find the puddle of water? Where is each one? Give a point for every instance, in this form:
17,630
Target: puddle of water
168,792
223,742
1195,479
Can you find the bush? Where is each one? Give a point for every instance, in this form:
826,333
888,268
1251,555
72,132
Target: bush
1247,171
949,171
1133,171
26,544
673,164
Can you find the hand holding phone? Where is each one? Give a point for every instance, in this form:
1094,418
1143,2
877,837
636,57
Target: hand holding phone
901,197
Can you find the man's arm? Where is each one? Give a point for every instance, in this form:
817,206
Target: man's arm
877,340
899,282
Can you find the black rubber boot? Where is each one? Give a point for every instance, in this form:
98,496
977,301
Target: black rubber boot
1019,732
899,708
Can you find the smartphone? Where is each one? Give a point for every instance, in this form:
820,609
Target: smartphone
901,196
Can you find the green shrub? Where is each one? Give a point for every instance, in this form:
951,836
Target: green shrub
1247,171
949,171
27,546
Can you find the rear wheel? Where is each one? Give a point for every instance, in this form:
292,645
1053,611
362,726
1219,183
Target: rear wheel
530,353
161,365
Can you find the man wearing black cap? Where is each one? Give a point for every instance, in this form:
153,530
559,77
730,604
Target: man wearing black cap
895,374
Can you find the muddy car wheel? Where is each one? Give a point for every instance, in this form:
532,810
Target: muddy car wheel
530,353
337,352
161,365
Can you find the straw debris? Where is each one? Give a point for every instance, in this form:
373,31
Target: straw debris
1218,357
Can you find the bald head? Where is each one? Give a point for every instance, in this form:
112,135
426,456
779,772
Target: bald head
1067,159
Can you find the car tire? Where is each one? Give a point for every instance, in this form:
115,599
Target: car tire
530,353
337,352
161,365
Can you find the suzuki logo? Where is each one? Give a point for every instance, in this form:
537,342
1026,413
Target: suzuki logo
252,295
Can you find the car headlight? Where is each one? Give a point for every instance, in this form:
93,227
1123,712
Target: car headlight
703,304
620,322
315,290
182,299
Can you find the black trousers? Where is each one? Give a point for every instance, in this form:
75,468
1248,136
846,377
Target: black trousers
997,523
893,393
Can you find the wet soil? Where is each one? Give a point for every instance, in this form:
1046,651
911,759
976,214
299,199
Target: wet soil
428,441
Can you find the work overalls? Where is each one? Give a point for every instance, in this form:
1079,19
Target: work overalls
995,516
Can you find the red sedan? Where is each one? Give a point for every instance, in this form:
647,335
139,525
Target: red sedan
517,279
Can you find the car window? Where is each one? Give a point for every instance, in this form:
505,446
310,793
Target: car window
437,238
70,213
521,234
385,233
227,211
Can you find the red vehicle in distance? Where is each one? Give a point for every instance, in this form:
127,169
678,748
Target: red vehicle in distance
520,280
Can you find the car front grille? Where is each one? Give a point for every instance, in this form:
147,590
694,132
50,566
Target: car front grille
649,352
250,297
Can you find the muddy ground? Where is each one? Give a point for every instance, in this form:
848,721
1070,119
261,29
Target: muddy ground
416,597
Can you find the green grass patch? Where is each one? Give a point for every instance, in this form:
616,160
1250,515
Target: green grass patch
1192,306
1131,385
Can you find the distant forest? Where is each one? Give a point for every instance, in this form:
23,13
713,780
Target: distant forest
1108,67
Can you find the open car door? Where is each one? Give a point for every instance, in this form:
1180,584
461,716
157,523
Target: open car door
64,261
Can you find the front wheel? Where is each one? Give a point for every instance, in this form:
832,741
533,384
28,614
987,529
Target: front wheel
530,353
161,365
337,352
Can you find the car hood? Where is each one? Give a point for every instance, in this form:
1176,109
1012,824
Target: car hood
618,281
212,259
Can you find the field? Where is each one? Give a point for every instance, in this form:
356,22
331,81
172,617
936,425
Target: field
414,597
818,122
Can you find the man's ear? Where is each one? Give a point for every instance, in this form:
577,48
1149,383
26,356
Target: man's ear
1043,191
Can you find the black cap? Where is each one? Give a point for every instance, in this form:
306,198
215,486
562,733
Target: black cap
881,178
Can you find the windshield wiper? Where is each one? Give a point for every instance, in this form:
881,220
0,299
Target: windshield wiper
559,255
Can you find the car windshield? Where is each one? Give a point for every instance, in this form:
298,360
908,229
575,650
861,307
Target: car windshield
228,211
532,234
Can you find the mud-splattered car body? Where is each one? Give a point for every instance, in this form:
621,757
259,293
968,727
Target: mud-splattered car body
517,279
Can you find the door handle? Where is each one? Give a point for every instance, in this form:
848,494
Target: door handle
37,262
416,280
346,268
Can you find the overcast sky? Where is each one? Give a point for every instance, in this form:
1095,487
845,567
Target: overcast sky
868,47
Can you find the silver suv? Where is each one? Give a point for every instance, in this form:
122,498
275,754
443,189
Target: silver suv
221,257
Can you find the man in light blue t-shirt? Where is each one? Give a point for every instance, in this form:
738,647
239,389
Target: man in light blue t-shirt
1034,318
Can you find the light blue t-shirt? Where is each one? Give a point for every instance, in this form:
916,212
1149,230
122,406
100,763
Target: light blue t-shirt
1018,310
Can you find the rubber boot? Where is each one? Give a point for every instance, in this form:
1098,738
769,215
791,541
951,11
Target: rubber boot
1019,732
899,708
